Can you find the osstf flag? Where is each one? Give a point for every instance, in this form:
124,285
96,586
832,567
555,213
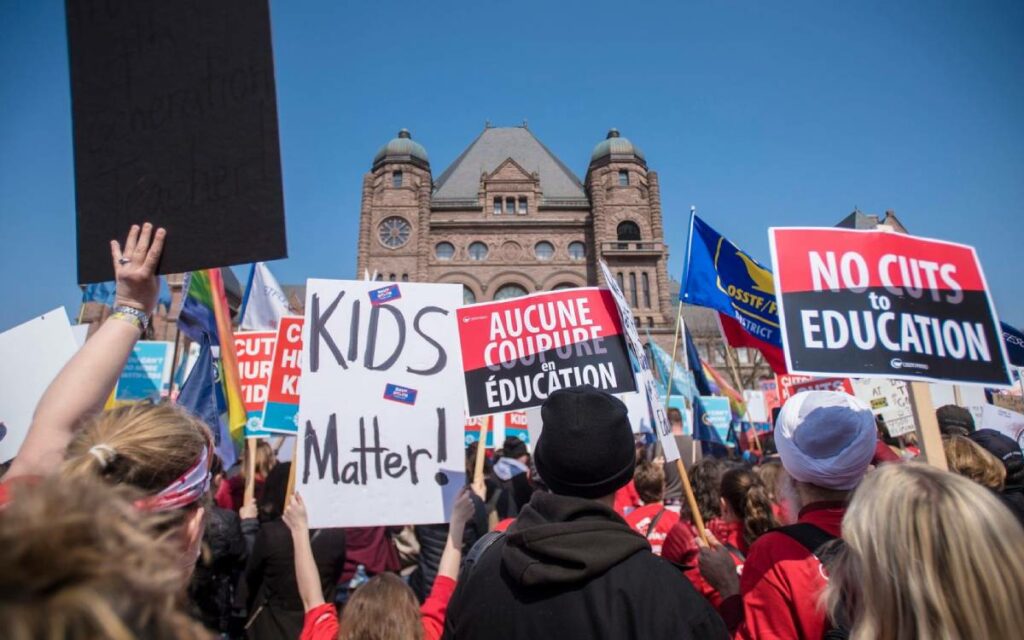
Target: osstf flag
721,276
880,304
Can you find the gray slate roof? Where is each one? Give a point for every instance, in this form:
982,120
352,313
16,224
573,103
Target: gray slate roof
461,181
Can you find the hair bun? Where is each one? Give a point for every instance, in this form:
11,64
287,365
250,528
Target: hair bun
104,453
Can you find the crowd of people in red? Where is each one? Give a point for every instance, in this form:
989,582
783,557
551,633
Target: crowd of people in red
123,524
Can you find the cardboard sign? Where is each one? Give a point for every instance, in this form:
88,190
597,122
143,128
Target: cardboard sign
888,399
382,411
885,305
254,351
283,389
147,374
757,410
1009,423
823,384
31,356
516,352
175,122
717,415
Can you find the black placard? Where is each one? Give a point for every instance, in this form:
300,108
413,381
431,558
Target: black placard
175,122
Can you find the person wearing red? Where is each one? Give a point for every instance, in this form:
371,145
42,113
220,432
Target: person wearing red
384,597
653,520
826,441
627,499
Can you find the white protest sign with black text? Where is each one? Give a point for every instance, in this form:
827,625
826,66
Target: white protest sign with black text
889,400
31,355
381,410
887,305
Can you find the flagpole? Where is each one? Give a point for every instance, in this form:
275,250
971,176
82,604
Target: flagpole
731,357
691,500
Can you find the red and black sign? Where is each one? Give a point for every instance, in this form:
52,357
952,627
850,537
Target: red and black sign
883,304
516,352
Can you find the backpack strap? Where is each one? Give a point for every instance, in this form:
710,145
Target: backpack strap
812,537
654,523
479,548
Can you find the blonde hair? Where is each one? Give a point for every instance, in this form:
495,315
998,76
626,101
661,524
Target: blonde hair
80,561
384,608
266,459
144,445
929,555
748,498
973,462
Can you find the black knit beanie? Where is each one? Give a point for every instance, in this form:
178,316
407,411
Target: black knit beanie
586,446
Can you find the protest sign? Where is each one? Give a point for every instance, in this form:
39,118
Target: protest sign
757,410
1009,423
516,352
888,399
283,389
175,122
382,408
1009,402
770,389
473,427
717,415
31,355
516,426
785,384
254,352
823,384
886,305
147,374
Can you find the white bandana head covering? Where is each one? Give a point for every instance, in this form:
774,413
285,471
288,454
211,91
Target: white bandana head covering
826,438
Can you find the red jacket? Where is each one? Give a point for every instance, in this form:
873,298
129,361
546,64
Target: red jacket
626,499
681,548
782,581
321,622
640,520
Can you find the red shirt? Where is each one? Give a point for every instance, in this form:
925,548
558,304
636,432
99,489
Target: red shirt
321,622
681,548
782,581
640,519
627,499
503,525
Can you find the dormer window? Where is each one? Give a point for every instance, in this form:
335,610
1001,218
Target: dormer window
396,179
497,206
623,178
522,206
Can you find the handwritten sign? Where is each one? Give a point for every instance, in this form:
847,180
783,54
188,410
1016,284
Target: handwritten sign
175,122
382,403
889,400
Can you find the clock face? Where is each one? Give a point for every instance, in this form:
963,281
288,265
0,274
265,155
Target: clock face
393,232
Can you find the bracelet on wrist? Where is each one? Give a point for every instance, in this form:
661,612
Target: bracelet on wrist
133,316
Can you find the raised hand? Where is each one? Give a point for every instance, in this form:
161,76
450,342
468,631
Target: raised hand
135,268
295,515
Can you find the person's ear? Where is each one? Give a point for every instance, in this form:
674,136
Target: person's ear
194,527
723,506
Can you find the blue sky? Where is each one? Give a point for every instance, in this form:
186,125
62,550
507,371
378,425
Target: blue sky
758,113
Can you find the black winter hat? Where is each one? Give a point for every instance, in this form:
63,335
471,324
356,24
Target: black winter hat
586,446
954,420
1001,446
513,447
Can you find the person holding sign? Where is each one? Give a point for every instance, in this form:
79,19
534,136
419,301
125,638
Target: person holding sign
826,440
569,566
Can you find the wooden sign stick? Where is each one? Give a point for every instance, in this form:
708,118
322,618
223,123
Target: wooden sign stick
929,438
291,478
478,466
250,471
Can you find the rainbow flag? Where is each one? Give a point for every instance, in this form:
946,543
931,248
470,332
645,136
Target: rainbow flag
739,405
205,310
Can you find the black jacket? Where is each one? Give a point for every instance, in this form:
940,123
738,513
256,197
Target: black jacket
1013,498
275,607
218,568
572,568
433,538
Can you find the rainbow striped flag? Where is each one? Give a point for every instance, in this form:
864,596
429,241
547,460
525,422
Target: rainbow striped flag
736,399
205,310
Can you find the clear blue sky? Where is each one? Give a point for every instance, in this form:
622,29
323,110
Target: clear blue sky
780,113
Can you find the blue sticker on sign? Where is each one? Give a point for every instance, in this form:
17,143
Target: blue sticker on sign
404,395
387,294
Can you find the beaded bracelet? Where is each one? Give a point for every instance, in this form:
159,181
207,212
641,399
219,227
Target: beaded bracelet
133,316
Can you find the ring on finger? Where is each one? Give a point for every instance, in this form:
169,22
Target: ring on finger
123,260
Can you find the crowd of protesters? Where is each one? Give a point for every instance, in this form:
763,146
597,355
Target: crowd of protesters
124,524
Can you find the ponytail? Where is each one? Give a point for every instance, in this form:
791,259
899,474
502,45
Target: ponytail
749,499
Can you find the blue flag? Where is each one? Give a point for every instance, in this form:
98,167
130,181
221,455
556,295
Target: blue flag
199,397
696,367
710,442
719,275
102,292
1014,344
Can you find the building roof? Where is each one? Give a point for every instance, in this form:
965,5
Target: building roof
615,146
860,220
402,148
494,145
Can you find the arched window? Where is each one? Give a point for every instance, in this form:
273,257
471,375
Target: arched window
392,277
444,250
622,285
497,206
623,178
477,251
646,284
468,297
405,277
522,206
632,289
577,250
562,286
509,291
544,250
396,179
628,230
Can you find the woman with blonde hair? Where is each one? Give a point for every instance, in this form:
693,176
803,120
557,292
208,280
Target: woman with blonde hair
161,450
970,460
928,555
